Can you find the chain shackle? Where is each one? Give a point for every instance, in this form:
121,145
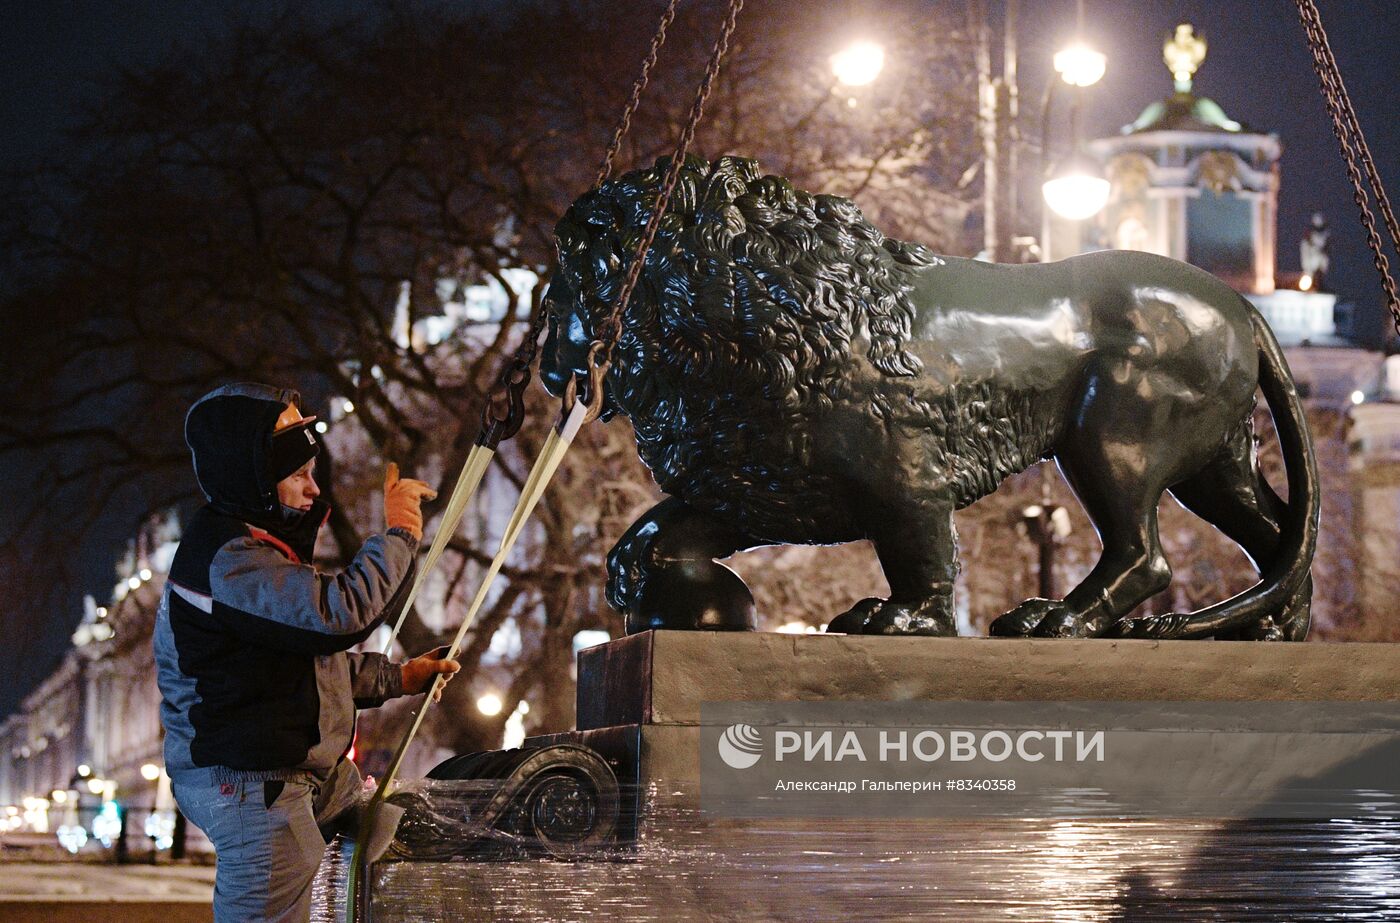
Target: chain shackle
504,412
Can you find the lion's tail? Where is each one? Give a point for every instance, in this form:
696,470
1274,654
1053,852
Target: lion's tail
1290,567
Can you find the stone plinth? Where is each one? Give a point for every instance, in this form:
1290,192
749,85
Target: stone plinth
639,697
660,678
639,704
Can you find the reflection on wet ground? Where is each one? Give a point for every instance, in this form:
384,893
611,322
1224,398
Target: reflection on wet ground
687,866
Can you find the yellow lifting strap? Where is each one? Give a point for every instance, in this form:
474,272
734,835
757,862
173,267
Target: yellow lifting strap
378,820
478,460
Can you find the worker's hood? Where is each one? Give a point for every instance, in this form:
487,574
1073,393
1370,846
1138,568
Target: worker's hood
230,434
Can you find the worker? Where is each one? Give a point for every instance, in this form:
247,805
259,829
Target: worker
258,684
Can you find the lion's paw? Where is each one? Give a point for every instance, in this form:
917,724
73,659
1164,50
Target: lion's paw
852,621
1040,618
887,617
1022,621
1063,624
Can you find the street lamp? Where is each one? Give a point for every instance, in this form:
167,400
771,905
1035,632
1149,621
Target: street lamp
1047,525
1079,65
859,63
1074,189
489,704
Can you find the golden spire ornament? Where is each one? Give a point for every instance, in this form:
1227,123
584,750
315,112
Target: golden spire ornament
1184,52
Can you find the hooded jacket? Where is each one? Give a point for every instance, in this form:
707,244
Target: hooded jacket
251,641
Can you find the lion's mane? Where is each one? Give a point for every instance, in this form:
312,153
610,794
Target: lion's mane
748,311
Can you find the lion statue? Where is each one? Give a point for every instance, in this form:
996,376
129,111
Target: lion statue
794,376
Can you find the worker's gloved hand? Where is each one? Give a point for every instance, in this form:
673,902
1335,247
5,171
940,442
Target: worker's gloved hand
402,499
419,672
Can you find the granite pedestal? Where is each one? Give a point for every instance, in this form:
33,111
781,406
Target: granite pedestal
639,697
639,706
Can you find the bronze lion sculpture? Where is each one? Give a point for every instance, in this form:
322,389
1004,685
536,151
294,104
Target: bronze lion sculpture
794,376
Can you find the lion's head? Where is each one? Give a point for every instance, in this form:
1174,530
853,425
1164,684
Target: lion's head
752,299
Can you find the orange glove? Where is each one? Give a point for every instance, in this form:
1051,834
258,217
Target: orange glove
419,673
402,498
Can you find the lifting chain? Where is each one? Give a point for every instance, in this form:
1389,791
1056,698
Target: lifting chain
504,412
625,123
600,354
1354,150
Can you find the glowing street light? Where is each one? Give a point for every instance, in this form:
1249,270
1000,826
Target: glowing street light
1079,65
150,772
489,704
859,63
96,785
1076,191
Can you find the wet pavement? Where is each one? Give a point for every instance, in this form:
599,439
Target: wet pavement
59,892
689,867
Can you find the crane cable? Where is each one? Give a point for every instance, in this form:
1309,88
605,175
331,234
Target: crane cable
600,353
1354,151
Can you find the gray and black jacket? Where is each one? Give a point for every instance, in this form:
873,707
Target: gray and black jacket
251,641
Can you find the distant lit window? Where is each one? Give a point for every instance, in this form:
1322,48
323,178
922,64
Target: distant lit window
1131,235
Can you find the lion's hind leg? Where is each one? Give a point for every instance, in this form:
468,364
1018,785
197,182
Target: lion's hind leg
1131,568
1232,495
1136,430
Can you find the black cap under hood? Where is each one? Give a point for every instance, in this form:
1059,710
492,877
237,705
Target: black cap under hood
230,434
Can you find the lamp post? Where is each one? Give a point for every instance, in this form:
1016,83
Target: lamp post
151,773
1047,525
997,113
1074,188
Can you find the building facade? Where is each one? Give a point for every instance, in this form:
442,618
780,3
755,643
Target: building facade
90,734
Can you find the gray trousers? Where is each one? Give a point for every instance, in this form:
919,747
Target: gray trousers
269,838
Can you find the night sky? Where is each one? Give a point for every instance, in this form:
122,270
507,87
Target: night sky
1258,68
